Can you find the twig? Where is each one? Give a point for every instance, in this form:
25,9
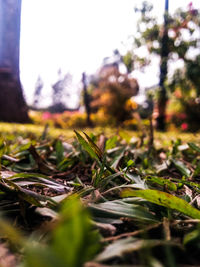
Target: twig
113,238
166,228
185,221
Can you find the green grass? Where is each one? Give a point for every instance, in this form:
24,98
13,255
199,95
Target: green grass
31,129
101,196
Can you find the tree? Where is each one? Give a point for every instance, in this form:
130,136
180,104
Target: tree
164,53
112,89
86,98
172,41
12,103
38,90
61,94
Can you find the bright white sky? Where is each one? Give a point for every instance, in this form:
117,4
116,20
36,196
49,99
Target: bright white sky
75,35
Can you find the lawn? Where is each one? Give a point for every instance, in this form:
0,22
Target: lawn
31,131
98,197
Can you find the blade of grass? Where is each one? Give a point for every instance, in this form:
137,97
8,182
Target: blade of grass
86,146
164,199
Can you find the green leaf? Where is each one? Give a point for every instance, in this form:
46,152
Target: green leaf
41,182
128,245
41,256
163,182
118,209
193,185
164,199
181,168
94,147
37,179
136,179
192,237
105,181
73,239
197,170
25,194
14,235
130,163
111,143
66,163
59,152
194,147
86,146
117,158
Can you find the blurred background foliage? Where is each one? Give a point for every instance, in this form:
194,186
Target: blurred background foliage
183,47
113,94
112,89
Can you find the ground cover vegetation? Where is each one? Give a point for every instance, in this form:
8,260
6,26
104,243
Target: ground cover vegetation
105,197
94,200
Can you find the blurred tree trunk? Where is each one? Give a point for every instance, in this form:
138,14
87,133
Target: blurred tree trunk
12,104
162,97
86,98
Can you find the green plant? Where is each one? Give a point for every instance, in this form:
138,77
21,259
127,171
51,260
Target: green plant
100,200
72,240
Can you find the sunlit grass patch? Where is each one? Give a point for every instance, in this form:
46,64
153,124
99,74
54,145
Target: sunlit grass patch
73,193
